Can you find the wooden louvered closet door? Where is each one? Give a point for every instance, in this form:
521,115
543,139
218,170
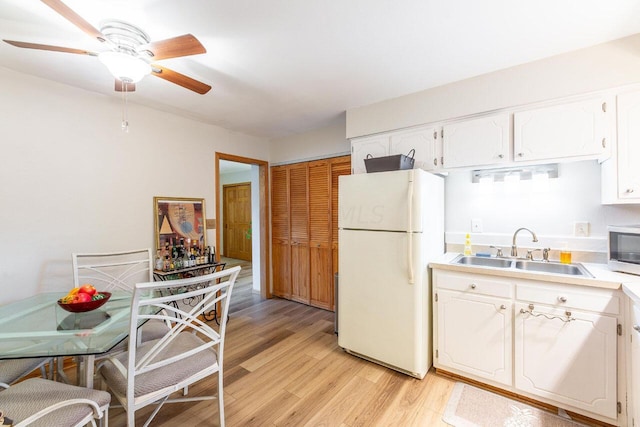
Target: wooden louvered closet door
320,234
305,229
280,248
299,220
341,166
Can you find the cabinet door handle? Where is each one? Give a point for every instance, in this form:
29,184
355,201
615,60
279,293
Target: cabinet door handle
473,286
562,299
604,142
435,161
636,327
520,154
629,190
501,156
503,307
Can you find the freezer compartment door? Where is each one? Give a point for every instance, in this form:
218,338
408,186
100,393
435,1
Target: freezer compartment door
381,315
381,201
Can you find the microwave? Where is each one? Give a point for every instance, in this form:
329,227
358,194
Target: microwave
624,248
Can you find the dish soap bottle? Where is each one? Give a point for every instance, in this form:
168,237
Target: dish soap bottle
467,245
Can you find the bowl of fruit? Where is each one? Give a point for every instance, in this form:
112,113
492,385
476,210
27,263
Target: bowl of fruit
84,298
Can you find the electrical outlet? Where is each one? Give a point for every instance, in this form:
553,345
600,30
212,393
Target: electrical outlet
581,229
476,225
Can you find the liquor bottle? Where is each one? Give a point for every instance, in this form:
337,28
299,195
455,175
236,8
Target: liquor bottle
187,258
159,262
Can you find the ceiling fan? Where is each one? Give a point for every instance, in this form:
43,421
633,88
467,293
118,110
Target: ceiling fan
131,51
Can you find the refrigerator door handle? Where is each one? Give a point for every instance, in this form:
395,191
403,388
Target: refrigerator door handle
409,230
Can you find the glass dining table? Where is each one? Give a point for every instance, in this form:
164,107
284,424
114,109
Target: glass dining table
36,326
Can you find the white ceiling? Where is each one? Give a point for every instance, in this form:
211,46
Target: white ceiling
279,67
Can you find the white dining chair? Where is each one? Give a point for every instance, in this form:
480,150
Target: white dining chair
113,271
37,402
117,271
11,370
190,351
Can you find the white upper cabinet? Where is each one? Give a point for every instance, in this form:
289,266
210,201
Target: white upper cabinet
425,143
628,155
375,146
575,129
481,141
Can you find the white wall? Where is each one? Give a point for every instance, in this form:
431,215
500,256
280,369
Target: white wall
72,181
328,141
600,67
551,213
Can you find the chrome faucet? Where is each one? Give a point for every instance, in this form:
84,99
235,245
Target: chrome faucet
514,248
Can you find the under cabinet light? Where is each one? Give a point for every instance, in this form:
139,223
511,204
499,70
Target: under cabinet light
514,174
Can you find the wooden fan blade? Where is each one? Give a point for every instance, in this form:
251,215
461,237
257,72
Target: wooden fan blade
120,86
49,47
74,18
180,79
172,48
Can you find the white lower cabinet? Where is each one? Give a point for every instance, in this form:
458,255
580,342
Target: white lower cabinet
635,364
548,341
475,334
570,359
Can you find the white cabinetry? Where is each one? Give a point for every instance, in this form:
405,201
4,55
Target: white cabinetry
635,363
423,140
476,142
621,174
474,326
563,353
553,342
426,143
576,129
376,146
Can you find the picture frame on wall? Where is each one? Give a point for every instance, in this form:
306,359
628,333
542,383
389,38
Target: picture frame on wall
179,221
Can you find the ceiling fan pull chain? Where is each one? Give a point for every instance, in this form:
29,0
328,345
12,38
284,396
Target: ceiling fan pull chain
125,108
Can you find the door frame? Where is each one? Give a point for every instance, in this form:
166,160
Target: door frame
263,188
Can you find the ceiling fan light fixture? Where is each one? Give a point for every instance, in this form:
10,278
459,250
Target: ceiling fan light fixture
124,67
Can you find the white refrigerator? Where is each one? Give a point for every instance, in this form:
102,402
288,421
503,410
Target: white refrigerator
391,225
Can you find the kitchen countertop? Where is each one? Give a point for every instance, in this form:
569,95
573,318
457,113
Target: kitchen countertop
602,276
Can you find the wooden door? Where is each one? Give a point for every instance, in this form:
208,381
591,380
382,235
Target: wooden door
340,166
280,247
299,223
321,283
237,220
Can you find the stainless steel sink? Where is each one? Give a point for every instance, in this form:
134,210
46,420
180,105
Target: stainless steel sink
555,268
525,265
483,261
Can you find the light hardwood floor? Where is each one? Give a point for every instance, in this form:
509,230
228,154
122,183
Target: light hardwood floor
283,367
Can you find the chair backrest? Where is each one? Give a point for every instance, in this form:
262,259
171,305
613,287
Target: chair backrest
181,303
113,270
